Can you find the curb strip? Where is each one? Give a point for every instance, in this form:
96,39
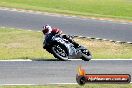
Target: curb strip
75,36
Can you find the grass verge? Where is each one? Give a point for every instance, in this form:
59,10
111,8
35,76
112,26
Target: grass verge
121,9
23,44
76,86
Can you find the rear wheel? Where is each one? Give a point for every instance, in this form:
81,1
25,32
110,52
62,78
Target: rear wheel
60,52
86,55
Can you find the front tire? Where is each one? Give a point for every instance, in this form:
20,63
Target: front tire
60,52
86,55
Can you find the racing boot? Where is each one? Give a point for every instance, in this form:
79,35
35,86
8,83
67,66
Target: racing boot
69,38
76,45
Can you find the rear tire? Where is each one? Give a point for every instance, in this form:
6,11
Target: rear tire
60,52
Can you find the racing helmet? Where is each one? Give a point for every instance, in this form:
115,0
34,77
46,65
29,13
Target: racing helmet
46,29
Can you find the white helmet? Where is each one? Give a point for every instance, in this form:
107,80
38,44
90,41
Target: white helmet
47,29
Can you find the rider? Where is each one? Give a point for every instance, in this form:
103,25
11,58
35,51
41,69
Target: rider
49,31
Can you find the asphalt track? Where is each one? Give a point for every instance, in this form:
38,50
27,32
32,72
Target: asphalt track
118,31
50,72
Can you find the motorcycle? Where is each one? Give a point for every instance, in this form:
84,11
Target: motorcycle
62,49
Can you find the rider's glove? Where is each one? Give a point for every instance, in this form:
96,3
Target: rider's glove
44,47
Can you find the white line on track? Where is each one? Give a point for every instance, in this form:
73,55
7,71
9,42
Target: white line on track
16,60
17,84
129,42
113,59
124,23
102,59
38,31
38,84
63,83
2,27
71,60
29,30
70,83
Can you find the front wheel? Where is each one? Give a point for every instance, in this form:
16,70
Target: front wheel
86,55
60,52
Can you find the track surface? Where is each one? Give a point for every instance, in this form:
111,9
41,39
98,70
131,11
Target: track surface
73,26
43,72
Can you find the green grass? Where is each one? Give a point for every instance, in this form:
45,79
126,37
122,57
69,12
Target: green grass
23,44
106,49
75,86
18,44
121,9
